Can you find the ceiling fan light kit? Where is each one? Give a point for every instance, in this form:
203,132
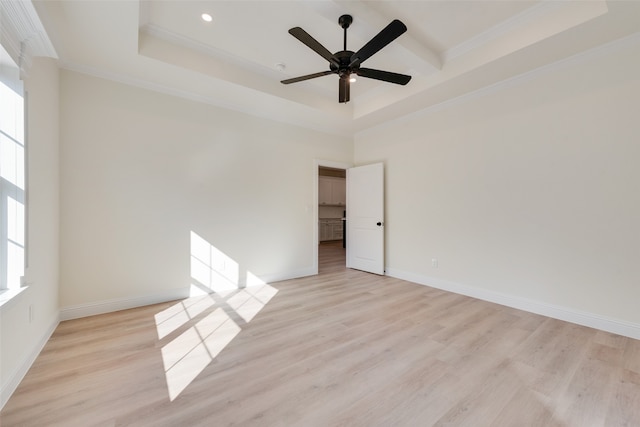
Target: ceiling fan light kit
345,62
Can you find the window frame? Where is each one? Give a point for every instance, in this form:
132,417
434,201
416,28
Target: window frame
10,78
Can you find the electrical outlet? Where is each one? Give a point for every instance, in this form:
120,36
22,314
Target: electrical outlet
434,262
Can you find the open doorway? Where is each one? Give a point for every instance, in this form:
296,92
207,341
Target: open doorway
330,207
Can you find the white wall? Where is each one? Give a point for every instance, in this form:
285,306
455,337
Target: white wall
528,192
23,338
141,170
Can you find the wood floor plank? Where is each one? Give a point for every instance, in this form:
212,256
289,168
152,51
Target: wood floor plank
624,409
344,348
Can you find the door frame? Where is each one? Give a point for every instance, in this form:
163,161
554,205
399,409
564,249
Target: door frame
317,163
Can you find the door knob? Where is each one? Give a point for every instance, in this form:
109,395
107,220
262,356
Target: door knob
378,223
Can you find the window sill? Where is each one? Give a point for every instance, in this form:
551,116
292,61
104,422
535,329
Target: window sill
8,296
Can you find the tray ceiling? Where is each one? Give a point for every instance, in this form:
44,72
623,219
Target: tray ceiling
236,61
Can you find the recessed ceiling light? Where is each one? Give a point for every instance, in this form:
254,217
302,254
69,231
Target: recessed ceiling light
206,17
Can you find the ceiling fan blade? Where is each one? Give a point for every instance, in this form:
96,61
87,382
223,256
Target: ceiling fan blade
344,89
386,76
384,37
307,77
314,44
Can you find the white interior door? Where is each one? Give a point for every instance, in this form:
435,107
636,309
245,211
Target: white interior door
365,218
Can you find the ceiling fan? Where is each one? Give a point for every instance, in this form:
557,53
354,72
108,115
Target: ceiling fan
345,62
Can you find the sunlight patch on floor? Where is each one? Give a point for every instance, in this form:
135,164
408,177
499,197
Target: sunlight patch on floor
189,354
177,315
213,315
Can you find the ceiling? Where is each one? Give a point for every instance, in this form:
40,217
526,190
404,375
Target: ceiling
452,48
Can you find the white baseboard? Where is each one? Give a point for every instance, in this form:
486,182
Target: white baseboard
16,377
270,278
108,306
620,327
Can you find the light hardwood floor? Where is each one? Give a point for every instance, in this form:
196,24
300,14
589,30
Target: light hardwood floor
344,348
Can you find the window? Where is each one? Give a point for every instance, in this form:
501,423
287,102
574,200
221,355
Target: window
12,175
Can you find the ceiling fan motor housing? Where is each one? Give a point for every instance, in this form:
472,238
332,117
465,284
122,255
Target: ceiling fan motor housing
344,59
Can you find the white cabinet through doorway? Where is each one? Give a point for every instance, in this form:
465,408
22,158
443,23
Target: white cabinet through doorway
332,191
330,229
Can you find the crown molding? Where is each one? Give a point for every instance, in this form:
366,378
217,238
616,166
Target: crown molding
528,15
22,33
